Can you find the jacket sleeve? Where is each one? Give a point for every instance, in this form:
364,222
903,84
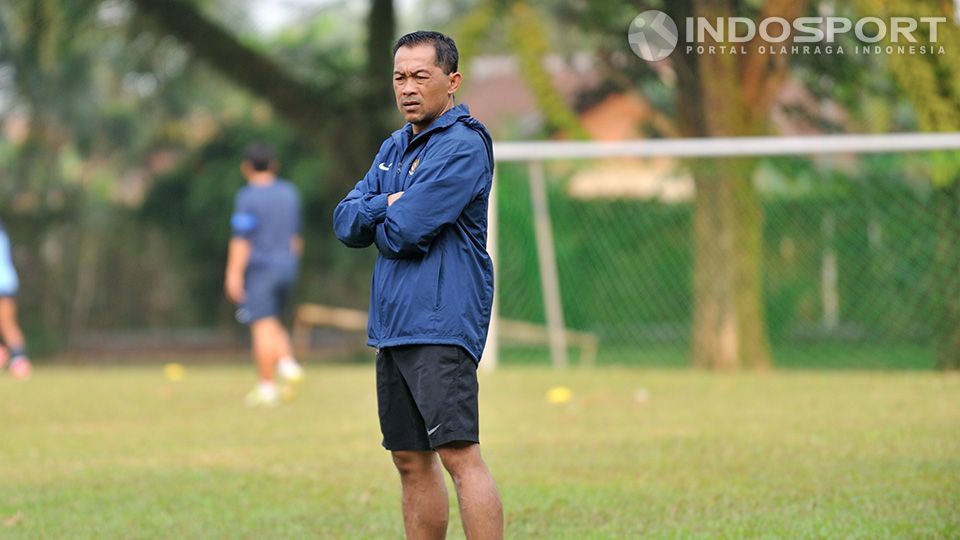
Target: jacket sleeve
448,181
356,217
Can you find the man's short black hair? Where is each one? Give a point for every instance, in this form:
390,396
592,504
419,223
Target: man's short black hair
447,56
260,155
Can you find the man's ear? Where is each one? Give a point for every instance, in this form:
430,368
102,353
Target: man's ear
455,80
245,168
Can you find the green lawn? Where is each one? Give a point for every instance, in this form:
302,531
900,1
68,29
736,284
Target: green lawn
120,452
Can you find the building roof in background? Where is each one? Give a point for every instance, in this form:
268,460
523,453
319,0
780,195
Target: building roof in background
499,97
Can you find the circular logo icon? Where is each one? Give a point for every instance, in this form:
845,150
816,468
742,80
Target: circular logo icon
653,35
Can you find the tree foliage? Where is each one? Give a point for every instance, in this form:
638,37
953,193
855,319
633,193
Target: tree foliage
932,83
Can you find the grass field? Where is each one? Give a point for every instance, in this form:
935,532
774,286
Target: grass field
120,452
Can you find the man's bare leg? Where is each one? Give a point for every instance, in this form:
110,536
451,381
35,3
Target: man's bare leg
426,509
265,347
480,507
9,327
15,352
282,338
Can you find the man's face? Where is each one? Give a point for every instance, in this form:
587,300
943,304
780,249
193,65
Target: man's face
423,90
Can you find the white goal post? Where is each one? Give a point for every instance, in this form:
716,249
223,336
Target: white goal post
535,153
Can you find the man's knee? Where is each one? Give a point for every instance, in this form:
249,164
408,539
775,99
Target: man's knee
457,457
266,325
412,463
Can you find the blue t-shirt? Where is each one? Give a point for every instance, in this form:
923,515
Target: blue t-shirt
269,217
9,283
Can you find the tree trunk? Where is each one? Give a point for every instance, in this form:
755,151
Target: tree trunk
729,324
85,280
381,25
714,340
748,282
305,106
318,113
947,279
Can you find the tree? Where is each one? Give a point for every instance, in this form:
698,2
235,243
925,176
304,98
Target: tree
82,134
714,95
528,39
735,94
107,93
330,115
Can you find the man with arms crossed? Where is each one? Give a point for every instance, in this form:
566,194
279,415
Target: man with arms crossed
262,265
423,203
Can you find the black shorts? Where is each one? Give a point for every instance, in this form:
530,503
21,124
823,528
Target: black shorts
426,396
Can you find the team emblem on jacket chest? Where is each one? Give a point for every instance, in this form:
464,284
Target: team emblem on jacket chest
414,165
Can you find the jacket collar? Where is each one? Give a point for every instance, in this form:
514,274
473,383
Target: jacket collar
404,136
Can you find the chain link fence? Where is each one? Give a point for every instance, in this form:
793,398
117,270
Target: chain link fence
857,266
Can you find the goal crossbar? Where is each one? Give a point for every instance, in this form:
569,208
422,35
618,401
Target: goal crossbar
726,146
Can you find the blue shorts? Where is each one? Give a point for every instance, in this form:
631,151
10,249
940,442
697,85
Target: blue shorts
9,284
267,292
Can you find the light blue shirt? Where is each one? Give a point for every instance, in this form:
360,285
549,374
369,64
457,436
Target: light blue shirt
8,274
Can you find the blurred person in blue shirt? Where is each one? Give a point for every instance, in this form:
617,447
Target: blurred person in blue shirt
262,266
15,351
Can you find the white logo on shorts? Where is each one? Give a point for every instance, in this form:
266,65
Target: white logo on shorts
430,431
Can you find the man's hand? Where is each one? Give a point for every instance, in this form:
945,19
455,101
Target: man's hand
234,288
392,198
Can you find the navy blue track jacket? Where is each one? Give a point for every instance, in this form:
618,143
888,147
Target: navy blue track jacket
433,280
